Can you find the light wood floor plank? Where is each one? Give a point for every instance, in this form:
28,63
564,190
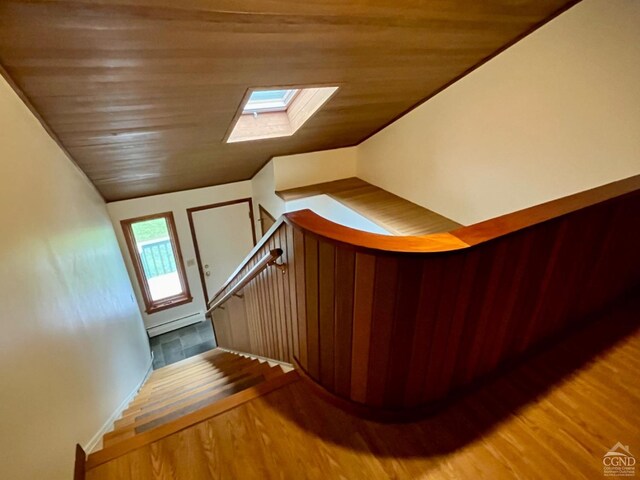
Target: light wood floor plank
553,416
393,213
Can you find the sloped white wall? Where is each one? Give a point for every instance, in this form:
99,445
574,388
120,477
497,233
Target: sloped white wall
317,167
72,346
263,185
555,114
299,170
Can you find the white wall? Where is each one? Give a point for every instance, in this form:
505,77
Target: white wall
263,185
299,170
333,210
317,167
555,114
178,203
72,346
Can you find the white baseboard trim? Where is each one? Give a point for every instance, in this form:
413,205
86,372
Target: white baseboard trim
96,441
176,324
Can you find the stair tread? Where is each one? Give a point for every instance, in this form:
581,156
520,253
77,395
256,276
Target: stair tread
187,361
124,446
233,388
210,357
183,388
185,377
193,404
206,386
144,416
179,368
214,375
193,382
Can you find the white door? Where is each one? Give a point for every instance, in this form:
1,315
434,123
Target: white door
224,236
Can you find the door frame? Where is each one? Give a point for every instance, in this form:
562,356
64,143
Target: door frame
262,210
192,227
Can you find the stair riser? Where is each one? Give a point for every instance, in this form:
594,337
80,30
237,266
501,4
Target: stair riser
134,422
145,409
186,363
178,388
221,368
114,449
189,391
155,421
219,360
177,395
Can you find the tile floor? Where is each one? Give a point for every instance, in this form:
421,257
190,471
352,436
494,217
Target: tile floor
183,343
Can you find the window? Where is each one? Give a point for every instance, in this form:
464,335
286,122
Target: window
261,101
155,252
273,113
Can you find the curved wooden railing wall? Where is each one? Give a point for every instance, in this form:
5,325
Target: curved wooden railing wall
400,322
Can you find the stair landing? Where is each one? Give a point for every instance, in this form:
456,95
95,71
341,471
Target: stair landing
393,213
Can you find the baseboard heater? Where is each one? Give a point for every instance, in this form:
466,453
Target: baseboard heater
175,324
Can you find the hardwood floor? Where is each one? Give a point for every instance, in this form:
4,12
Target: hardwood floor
393,213
553,416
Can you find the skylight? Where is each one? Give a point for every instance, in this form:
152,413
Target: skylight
273,113
262,101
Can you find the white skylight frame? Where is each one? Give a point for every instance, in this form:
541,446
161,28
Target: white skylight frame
290,112
270,105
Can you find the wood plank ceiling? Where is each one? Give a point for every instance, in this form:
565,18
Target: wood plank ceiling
142,92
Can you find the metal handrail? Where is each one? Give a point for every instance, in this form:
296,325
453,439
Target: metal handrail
266,261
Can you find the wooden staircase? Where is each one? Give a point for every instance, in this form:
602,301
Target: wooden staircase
182,389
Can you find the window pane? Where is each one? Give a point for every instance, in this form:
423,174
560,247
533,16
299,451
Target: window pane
269,101
158,261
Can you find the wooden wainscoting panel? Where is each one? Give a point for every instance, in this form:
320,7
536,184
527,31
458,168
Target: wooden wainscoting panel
458,327
344,305
362,318
255,333
289,258
388,327
503,318
301,295
312,301
220,321
382,315
442,325
258,319
403,329
263,299
281,274
239,323
427,304
523,312
326,312
253,317
286,274
482,310
274,306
